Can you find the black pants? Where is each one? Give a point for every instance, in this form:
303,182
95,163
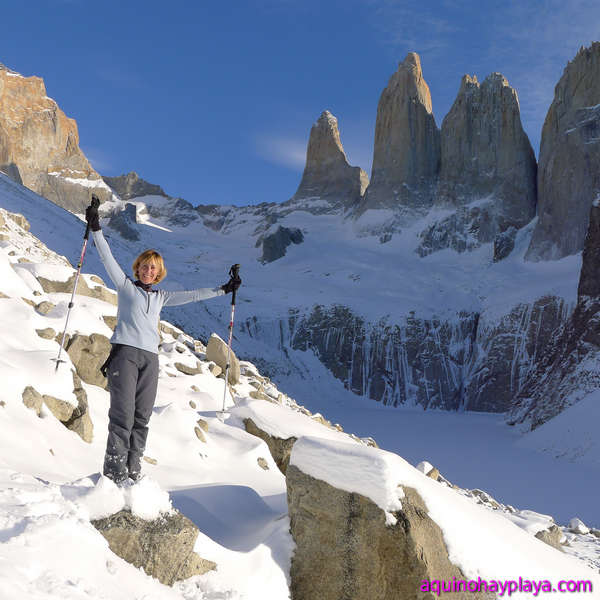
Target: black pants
132,381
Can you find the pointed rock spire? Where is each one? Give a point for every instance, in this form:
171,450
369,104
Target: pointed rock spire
406,155
327,173
486,152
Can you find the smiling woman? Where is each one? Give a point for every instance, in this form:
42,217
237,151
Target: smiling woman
132,366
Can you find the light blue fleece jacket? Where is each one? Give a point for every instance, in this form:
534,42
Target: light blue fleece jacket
138,311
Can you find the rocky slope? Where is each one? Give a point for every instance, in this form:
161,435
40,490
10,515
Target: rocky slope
39,144
568,176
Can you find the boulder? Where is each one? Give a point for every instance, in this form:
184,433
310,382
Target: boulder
88,354
551,536
327,173
280,449
164,548
187,370
568,174
216,351
345,548
66,287
406,156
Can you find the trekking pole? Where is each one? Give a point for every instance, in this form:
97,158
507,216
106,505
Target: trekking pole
95,204
233,274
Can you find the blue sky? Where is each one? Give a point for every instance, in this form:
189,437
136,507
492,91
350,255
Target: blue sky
214,101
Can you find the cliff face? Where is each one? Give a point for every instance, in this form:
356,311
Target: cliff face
406,154
567,370
568,174
327,174
39,144
132,185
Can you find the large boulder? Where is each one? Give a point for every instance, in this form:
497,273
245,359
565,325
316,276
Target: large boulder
346,548
39,144
327,173
164,547
216,350
568,173
406,156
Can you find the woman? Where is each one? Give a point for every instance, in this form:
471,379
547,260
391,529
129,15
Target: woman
133,362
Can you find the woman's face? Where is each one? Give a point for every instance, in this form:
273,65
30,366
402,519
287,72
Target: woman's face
148,271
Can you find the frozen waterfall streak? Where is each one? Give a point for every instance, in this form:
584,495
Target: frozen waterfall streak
95,204
234,273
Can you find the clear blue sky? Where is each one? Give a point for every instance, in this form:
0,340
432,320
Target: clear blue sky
214,100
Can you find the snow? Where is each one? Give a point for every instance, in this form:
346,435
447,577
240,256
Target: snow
50,487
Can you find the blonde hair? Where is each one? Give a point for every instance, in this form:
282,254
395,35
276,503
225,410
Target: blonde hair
150,256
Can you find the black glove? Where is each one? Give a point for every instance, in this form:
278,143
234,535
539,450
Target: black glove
232,285
91,214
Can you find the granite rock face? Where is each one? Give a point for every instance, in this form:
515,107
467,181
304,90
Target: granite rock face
345,548
568,369
132,185
488,168
327,173
568,173
406,155
39,144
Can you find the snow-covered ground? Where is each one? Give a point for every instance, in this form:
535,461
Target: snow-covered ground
50,487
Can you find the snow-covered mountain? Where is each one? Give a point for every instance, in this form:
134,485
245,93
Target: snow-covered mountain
224,479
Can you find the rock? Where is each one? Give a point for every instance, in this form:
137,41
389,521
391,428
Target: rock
61,409
132,186
274,246
164,548
33,399
187,370
345,549
406,156
551,536
199,434
259,395
215,369
280,449
327,174
66,287
262,463
88,354
20,220
216,350
40,145
110,321
578,526
48,333
125,223
485,153
568,177
193,405
45,307
80,421
203,425
151,461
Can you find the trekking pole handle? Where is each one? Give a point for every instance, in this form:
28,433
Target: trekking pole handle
234,273
94,204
